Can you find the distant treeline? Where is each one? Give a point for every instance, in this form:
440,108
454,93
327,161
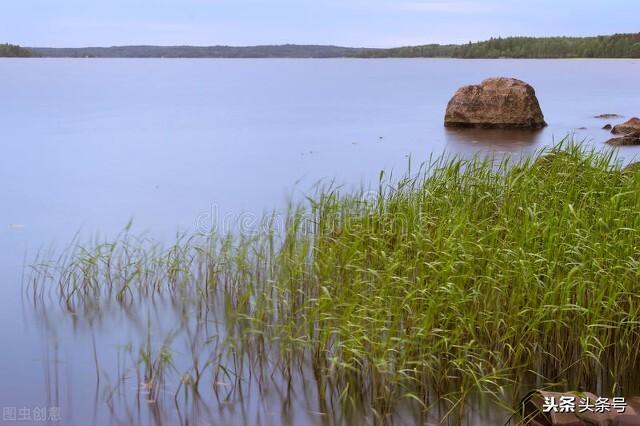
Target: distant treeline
614,46
13,51
282,51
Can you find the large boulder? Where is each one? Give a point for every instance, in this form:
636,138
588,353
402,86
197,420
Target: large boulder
503,103
631,126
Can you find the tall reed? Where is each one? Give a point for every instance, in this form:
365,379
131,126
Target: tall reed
469,279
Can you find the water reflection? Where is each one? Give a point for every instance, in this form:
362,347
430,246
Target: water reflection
468,141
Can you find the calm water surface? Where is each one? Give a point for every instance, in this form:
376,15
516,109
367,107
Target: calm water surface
177,144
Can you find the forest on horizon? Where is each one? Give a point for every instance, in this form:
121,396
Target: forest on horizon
613,46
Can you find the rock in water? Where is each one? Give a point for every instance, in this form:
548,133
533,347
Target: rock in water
627,139
503,103
631,126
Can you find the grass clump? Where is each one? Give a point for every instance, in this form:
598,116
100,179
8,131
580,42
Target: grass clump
472,278
468,279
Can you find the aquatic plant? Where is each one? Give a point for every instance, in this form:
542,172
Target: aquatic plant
468,279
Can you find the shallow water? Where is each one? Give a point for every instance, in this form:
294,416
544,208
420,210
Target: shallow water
186,144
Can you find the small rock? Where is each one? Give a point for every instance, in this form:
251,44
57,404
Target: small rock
630,139
633,125
607,127
605,116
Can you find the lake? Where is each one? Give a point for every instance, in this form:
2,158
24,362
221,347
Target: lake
89,145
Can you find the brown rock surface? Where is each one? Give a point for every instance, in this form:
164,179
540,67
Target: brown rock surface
633,125
496,103
627,139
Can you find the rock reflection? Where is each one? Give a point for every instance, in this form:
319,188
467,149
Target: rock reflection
471,141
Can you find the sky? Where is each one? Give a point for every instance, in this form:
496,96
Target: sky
366,23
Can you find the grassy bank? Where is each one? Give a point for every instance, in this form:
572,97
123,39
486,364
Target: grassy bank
468,278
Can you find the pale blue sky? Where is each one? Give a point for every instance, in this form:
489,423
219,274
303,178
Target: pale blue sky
381,23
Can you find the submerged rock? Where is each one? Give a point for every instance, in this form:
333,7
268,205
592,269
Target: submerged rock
604,116
633,125
503,103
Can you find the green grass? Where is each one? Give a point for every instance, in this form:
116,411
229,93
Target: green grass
468,280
